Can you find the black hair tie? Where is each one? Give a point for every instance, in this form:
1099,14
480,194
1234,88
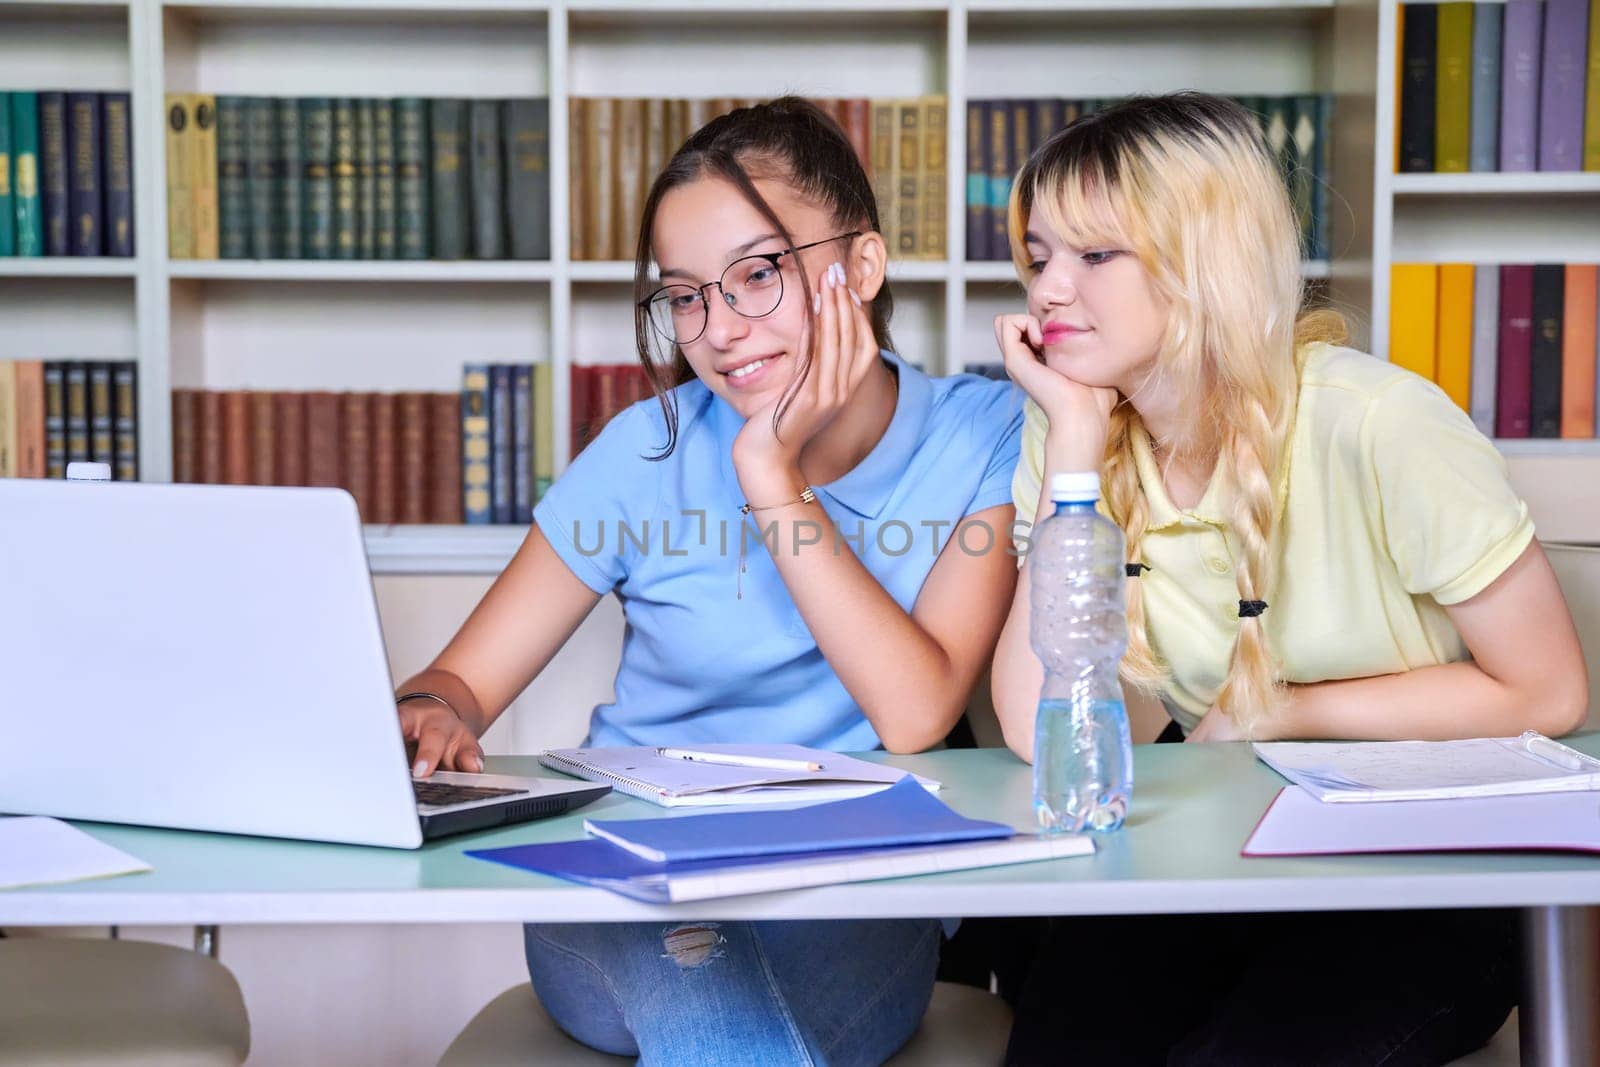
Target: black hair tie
1132,570
1249,609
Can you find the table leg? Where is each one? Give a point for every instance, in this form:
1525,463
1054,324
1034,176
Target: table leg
1559,1018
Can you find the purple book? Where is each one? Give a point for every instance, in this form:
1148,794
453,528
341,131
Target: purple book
1513,406
1561,86
1519,87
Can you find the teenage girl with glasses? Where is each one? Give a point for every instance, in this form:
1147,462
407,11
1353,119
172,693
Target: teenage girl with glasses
762,318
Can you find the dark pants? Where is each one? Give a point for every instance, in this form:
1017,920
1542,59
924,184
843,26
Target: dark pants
1338,988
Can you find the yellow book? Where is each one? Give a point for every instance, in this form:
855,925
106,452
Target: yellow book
8,419
544,431
203,176
180,198
1591,96
1414,317
1452,138
935,166
1454,349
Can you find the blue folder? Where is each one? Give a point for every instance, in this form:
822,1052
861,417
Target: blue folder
903,814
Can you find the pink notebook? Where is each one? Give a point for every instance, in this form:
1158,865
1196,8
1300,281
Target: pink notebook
1297,824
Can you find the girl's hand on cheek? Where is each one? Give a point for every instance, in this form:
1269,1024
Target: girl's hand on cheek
768,460
1079,414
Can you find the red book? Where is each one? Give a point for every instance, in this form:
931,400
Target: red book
1513,402
858,127
385,460
412,444
291,461
210,469
444,432
236,437
263,439
323,440
355,428
185,435
582,407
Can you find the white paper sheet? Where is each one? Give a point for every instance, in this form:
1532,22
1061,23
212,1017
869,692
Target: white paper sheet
38,851
1298,825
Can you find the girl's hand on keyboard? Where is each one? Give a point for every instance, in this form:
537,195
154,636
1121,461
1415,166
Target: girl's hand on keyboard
437,739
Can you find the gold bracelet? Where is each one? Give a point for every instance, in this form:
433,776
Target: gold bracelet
421,695
806,497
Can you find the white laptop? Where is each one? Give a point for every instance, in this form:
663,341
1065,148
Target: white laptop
209,658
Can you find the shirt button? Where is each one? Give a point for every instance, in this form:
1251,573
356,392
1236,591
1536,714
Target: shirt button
1218,565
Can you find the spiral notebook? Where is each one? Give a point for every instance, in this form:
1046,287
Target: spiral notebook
641,772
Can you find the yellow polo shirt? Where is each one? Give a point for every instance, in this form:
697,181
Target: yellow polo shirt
1392,506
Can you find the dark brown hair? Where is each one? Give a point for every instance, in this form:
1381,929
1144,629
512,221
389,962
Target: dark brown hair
789,139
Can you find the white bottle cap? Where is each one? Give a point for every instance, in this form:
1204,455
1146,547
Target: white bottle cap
1075,487
84,471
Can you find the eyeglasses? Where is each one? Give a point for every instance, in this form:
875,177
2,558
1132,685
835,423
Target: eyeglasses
752,287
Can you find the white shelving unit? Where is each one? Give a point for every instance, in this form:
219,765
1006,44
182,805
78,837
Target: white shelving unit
410,325
1480,218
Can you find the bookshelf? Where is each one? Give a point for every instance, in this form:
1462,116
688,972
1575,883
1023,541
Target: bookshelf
392,325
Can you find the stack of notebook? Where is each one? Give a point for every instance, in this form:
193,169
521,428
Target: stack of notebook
898,831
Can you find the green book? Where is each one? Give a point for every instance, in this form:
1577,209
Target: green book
29,213
233,180
412,178
316,142
344,179
366,180
8,209
260,135
288,177
487,181
1304,134
383,176
1452,131
527,159
448,122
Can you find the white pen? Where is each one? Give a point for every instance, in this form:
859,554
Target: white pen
1555,752
730,759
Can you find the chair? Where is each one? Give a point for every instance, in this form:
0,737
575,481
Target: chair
100,1003
963,1025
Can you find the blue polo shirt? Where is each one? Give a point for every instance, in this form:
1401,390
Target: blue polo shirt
710,655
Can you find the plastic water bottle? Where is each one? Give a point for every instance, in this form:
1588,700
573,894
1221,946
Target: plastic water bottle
1082,754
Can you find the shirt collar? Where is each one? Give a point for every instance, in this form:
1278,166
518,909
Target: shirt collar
867,486
1213,505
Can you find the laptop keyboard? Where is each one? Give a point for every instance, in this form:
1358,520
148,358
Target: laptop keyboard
438,794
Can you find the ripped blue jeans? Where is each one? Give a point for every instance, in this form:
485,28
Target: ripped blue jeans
836,992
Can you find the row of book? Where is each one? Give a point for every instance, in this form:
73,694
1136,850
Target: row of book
599,392
252,177
1499,86
398,454
55,412
1514,344
1002,134
66,174
620,145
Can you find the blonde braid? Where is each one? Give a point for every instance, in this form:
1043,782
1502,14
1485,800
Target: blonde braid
1252,689
1125,500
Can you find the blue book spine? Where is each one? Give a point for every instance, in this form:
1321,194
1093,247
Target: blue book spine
116,125
500,434
85,174
522,443
1484,153
53,172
